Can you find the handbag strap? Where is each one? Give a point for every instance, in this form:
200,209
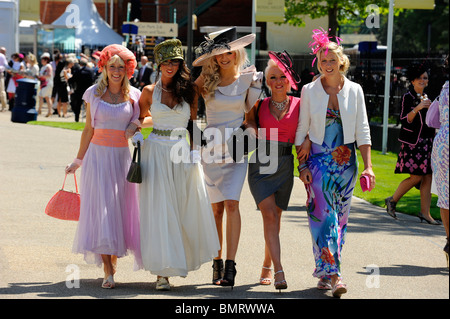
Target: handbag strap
75,178
257,113
137,152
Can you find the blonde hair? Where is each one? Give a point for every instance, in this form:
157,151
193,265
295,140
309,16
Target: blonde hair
32,58
102,82
339,51
271,63
211,75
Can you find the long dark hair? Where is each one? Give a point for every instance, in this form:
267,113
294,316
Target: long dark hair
182,86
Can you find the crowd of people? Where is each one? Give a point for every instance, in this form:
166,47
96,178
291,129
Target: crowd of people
62,79
186,210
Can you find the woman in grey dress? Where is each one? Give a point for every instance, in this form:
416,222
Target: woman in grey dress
229,92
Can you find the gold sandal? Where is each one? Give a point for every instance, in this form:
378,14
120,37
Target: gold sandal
162,284
108,283
339,289
265,281
280,284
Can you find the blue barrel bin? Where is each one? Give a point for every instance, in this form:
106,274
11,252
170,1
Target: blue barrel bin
25,101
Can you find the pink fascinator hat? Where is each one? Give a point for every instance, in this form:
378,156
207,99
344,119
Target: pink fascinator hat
126,55
321,39
284,62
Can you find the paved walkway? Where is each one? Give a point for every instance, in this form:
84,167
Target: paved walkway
382,258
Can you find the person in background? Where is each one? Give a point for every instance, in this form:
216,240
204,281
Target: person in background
46,84
58,64
81,80
3,66
333,113
16,73
144,73
63,91
32,67
416,139
108,227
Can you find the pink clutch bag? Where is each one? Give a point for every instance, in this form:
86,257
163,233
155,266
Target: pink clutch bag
365,183
64,204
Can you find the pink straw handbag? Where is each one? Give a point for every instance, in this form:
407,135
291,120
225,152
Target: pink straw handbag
65,204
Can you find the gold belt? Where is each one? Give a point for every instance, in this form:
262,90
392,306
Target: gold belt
175,132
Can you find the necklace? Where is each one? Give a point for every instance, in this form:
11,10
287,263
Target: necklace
165,90
114,97
279,105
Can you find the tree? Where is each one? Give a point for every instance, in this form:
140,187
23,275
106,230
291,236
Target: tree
413,29
338,11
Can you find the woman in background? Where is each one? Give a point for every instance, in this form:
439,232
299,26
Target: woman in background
416,139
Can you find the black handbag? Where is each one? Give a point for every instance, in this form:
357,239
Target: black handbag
134,174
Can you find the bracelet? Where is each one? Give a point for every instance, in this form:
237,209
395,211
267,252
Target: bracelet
78,161
302,167
137,123
414,111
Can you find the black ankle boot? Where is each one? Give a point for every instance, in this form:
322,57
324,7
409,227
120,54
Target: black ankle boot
229,274
217,271
390,207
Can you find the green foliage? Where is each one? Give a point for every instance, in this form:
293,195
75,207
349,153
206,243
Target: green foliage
338,11
410,30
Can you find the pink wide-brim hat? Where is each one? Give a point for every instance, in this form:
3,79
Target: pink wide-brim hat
126,55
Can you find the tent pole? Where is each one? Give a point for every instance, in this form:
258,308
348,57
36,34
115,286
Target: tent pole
387,77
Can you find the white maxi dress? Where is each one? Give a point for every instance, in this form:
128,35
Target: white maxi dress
178,231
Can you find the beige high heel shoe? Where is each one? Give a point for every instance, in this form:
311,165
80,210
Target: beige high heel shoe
265,281
339,289
162,284
282,284
108,283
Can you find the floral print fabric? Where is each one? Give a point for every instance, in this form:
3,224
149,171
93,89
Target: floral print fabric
439,158
334,170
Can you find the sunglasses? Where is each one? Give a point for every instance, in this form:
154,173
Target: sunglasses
171,62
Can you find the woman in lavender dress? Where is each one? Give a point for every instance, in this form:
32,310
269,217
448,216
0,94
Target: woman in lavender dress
109,215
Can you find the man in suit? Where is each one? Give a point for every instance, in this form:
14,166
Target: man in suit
82,79
143,76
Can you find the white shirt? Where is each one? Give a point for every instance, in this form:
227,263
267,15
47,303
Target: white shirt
3,63
352,108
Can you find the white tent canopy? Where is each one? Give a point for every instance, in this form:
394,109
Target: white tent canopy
91,29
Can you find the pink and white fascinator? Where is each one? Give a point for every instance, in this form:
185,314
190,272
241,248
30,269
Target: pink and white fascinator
321,39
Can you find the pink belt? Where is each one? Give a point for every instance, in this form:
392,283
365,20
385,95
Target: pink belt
110,138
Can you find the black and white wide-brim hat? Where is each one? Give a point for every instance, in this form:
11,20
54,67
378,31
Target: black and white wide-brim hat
220,42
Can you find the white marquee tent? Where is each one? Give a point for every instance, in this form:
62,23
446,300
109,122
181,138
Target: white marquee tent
90,28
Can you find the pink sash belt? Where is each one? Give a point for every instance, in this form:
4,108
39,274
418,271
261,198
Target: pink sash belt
108,137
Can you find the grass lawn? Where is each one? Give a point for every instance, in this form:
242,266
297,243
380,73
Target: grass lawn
383,166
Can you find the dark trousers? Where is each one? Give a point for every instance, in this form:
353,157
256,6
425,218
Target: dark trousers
76,101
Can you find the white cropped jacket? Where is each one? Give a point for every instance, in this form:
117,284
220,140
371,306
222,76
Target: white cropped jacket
313,109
